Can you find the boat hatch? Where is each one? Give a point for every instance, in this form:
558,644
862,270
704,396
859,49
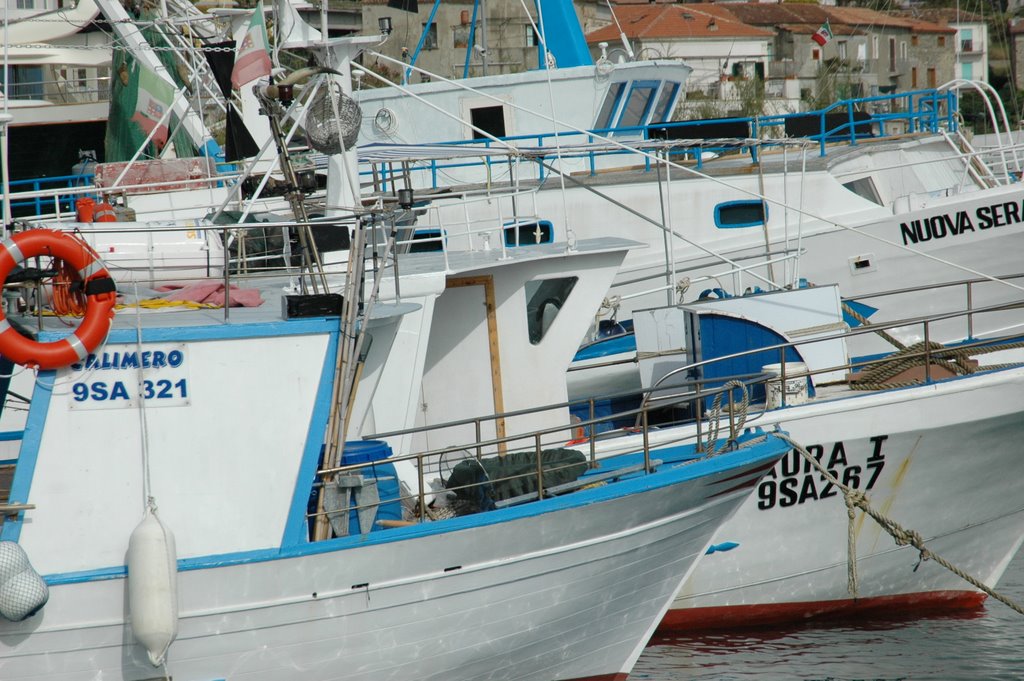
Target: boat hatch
544,300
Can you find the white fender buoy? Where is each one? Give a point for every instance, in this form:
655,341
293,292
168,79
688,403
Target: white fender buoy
153,587
22,591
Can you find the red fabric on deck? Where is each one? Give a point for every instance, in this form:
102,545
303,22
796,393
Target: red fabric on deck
212,293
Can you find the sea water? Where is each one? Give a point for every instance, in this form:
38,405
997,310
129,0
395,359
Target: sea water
984,643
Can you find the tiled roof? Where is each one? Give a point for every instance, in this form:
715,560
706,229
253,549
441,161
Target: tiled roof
765,14
862,16
943,16
651,21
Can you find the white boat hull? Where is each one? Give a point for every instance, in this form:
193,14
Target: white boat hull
514,599
943,460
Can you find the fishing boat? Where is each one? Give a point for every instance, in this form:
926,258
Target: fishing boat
925,435
871,193
213,521
224,514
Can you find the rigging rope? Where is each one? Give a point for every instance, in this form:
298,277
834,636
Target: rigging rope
847,309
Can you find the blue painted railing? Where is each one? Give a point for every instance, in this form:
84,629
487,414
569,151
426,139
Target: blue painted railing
845,121
40,205
917,111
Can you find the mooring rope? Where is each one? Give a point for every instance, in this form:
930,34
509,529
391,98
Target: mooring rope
865,323
855,499
877,377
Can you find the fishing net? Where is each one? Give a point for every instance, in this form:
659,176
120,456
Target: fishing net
332,119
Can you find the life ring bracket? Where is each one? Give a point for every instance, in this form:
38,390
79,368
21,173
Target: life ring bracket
96,282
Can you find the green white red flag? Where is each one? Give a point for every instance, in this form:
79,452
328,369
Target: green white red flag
823,34
252,56
155,97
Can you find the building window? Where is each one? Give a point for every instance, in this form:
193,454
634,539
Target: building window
967,69
966,40
841,47
874,47
892,54
942,41
932,80
816,54
430,43
26,4
913,77
903,49
532,39
913,41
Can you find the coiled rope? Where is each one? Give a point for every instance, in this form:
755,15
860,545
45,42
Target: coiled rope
735,425
160,304
855,499
67,298
954,360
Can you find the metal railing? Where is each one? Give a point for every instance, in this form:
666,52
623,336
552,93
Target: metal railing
690,396
537,441
847,120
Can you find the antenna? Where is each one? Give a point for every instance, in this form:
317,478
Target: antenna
622,34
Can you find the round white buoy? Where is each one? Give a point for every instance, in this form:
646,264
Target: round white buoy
22,591
153,587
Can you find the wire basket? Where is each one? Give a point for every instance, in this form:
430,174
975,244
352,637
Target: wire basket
332,120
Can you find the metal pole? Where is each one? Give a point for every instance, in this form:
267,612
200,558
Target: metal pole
4,121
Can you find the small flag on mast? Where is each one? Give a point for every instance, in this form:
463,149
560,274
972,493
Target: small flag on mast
155,96
823,34
253,58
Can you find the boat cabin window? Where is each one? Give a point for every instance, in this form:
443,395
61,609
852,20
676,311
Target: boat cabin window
663,109
426,241
529,233
544,300
490,119
638,104
610,106
732,214
865,188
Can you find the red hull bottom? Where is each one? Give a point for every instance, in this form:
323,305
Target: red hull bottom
727,617
603,677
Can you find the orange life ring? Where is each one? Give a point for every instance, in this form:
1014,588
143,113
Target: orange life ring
99,288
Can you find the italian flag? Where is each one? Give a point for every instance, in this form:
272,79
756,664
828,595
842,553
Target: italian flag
252,60
823,34
155,96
